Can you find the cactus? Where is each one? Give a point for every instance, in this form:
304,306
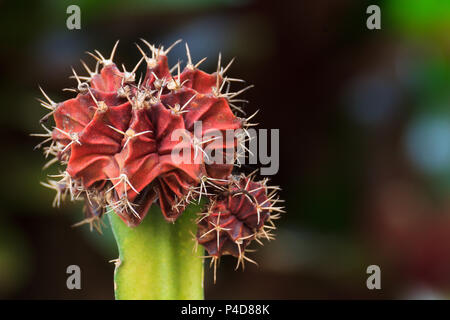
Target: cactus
116,142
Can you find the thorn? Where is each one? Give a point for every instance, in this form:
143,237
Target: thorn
47,97
240,258
72,136
115,129
250,260
100,55
247,124
70,90
234,94
129,134
143,53
227,67
101,105
175,66
235,80
214,262
155,52
123,178
102,59
117,262
175,83
52,184
172,46
252,174
189,64
91,73
113,52
47,134
94,222
239,109
137,65
218,72
200,62
50,105
130,77
219,60
49,163
189,101
82,87
94,56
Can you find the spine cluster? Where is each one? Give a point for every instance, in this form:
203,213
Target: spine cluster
115,143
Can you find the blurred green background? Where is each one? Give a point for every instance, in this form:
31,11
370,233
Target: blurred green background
364,119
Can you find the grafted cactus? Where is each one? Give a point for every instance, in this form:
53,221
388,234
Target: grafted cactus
121,140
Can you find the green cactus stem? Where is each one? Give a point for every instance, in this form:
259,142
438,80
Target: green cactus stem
156,259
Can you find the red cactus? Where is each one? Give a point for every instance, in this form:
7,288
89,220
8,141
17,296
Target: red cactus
236,216
116,138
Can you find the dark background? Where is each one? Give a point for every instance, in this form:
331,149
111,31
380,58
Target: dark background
364,119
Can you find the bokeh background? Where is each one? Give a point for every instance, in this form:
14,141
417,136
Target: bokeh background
364,119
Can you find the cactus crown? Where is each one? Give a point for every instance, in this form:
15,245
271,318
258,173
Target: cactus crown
115,140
